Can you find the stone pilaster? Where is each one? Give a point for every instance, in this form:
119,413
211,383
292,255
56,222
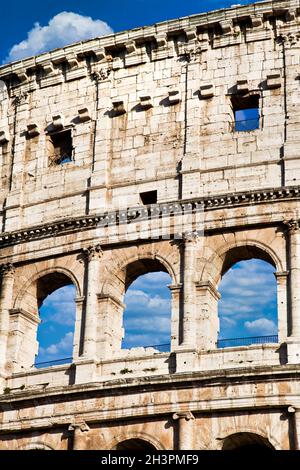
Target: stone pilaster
189,291
110,325
80,431
282,289
185,429
7,271
293,412
293,241
93,255
176,291
294,262
22,339
297,428
207,319
77,350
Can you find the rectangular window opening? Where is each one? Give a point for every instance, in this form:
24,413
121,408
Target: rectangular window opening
60,148
246,112
149,197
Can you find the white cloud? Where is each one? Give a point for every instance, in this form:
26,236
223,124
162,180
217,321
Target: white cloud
153,324
59,307
262,326
156,280
63,29
140,301
147,318
65,345
248,290
145,340
228,321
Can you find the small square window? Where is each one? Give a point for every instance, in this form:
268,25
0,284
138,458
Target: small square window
60,148
149,197
246,113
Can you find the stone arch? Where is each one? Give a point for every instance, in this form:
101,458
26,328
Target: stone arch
139,436
26,317
119,278
220,261
141,266
257,431
150,261
229,254
246,440
57,274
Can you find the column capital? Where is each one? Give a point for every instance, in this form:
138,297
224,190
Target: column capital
186,415
79,300
93,252
25,314
110,298
208,286
82,426
191,238
176,288
292,226
7,269
281,275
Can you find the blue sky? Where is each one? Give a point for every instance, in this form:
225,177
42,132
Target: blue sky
19,18
248,306
147,319
56,330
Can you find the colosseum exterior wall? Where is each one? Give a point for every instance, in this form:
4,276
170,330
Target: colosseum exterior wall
149,113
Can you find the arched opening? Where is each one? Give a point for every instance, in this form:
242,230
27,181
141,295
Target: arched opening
136,314
46,313
147,314
247,441
38,316
248,306
56,305
136,445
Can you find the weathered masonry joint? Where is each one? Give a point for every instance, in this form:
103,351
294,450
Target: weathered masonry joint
172,148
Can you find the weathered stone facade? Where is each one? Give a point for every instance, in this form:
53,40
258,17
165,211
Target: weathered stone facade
146,110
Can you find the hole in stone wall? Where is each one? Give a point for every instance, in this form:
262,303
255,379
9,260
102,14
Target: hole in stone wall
56,330
248,306
246,112
149,197
60,148
147,316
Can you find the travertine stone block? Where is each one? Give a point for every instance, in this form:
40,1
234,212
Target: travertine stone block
132,118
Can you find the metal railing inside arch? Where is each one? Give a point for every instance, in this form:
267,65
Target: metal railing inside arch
237,342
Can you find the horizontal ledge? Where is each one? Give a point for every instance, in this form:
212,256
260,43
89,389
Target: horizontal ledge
155,211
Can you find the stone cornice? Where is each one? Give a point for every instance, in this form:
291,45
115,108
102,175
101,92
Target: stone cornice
209,287
189,33
110,298
24,314
235,377
186,379
209,203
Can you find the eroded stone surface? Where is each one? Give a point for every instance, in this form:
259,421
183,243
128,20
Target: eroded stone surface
150,115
